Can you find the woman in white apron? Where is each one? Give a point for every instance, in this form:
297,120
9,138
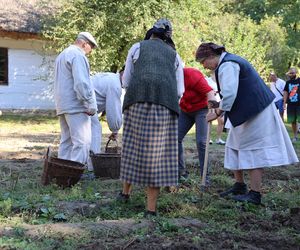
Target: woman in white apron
257,136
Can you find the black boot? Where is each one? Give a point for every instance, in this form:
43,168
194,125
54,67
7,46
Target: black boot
124,198
252,197
150,214
237,188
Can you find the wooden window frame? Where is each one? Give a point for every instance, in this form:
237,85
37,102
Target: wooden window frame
4,81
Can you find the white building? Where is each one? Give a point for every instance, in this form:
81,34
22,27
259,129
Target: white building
25,70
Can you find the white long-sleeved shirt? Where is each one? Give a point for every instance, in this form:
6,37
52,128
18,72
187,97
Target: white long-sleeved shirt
277,88
228,76
133,55
73,91
108,90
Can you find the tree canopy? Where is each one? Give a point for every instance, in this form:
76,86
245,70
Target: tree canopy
283,12
265,32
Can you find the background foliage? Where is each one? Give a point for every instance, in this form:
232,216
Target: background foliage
266,32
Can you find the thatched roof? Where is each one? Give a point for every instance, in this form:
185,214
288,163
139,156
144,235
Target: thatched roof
24,15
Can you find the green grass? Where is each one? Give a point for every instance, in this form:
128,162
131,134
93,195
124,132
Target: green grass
30,124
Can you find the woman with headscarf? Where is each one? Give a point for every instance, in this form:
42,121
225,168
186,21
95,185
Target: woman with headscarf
257,136
153,79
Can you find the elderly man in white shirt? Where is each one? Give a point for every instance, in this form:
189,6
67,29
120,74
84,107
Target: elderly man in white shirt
74,98
108,91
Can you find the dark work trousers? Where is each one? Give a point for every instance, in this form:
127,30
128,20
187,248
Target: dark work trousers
185,123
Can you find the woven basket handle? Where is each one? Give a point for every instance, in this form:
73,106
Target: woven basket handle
109,140
45,177
48,153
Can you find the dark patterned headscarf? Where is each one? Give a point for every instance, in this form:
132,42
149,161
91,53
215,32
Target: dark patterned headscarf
206,50
162,28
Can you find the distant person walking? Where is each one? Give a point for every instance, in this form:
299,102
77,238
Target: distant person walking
74,98
257,137
292,100
277,87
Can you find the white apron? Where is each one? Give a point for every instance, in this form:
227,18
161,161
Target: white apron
261,142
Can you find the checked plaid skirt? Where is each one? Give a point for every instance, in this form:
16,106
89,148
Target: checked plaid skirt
150,146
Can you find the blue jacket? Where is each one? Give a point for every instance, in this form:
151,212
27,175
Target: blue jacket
253,95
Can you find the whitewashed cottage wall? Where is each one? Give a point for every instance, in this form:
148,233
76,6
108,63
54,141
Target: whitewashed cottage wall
30,76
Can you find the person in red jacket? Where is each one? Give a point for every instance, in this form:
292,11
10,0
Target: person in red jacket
193,110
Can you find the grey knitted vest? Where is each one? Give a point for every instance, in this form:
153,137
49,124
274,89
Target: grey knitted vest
154,78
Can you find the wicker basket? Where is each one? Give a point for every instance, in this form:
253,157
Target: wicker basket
64,173
107,164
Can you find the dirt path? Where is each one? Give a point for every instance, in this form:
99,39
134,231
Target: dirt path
123,227
30,146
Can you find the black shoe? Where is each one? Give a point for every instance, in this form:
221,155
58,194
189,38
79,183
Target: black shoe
123,197
207,181
149,214
183,174
183,179
236,189
251,197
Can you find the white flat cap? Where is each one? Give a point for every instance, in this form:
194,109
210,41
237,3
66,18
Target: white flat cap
88,36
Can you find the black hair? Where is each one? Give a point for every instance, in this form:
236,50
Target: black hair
122,69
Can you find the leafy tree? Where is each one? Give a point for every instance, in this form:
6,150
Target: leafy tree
274,39
189,18
285,11
117,24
